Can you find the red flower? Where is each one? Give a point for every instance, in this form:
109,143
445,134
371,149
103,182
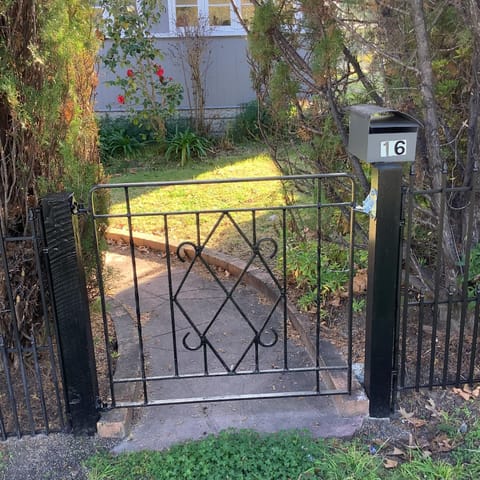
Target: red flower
160,72
121,99
170,79
130,73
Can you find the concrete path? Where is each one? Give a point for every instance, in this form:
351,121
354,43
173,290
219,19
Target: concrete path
200,299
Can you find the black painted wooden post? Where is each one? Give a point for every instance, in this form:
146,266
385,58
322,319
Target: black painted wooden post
383,283
72,311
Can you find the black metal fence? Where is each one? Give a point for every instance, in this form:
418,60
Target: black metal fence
438,337
31,394
45,369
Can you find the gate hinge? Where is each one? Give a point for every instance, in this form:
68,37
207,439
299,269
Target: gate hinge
80,209
77,208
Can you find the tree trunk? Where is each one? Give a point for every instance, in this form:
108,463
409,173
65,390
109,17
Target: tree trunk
471,15
432,135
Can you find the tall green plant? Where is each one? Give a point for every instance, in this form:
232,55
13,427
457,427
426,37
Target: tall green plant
145,90
186,145
48,133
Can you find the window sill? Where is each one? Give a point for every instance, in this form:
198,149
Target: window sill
220,32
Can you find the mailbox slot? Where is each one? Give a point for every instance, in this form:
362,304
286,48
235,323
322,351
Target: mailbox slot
382,135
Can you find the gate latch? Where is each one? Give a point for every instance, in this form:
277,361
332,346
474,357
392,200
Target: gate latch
369,205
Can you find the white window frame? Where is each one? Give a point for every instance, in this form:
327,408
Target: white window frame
235,28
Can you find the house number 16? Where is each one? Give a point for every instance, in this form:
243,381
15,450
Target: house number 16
393,148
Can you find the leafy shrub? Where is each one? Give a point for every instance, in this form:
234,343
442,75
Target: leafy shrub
246,125
47,78
302,269
473,271
121,137
179,124
186,145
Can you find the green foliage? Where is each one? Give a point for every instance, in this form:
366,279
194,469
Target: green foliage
48,133
348,461
302,268
146,91
264,20
283,92
246,455
327,51
473,271
468,453
178,124
247,125
296,50
426,467
121,136
185,146
327,147
46,91
230,455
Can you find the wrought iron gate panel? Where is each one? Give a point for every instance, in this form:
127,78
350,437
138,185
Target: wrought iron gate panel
226,249
437,336
31,398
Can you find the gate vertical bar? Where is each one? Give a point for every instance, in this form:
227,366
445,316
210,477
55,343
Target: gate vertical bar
383,284
70,302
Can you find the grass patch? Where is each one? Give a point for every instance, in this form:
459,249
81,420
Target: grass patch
238,455
148,201
245,455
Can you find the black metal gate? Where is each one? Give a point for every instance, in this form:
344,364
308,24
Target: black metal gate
31,394
200,305
210,341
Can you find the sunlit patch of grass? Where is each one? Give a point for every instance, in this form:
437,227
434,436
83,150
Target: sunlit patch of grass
178,200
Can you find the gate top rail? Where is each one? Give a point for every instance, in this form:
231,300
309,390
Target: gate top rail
217,181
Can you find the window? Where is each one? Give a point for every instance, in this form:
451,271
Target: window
218,14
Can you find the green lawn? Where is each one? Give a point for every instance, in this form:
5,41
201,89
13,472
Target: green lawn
189,198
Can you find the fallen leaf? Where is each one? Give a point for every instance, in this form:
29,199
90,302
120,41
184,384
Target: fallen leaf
360,281
335,302
417,422
409,417
461,393
390,463
405,414
432,407
397,452
443,444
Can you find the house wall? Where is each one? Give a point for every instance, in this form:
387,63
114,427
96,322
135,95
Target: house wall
227,76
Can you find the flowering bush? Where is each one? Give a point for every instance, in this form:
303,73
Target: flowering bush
144,90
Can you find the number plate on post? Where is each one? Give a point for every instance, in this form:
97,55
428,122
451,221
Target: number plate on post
393,148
